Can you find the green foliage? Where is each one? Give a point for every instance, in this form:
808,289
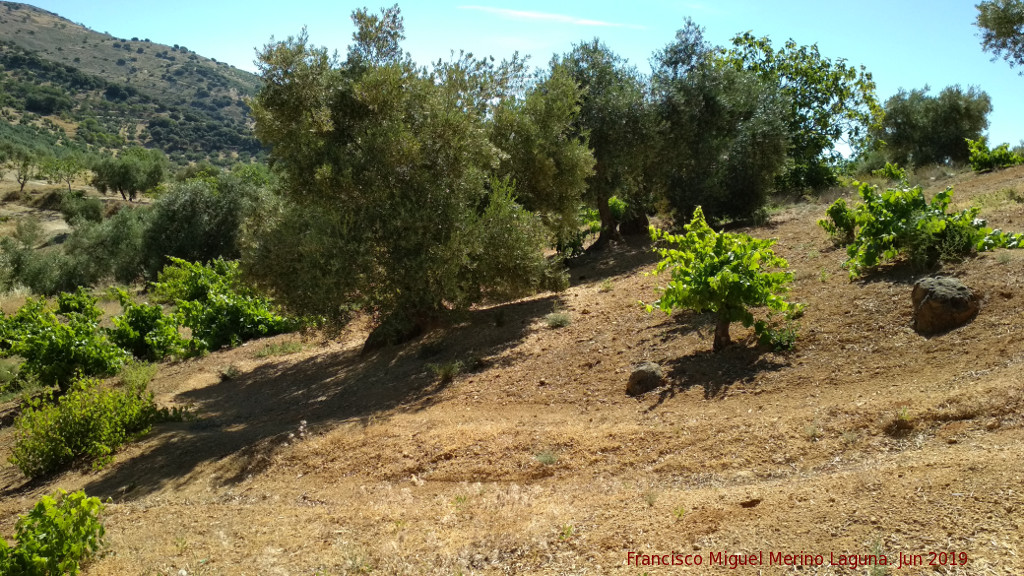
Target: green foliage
724,137
984,160
840,223
891,172
510,247
88,422
133,171
386,183
726,274
25,165
216,307
557,320
95,251
616,121
65,168
618,208
197,220
137,374
145,331
57,347
1001,23
79,304
923,129
547,162
447,371
903,221
76,207
188,281
59,534
828,101
201,219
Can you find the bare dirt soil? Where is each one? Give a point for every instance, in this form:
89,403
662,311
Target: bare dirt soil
869,439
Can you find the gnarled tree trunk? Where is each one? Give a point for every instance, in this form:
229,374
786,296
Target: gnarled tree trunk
609,227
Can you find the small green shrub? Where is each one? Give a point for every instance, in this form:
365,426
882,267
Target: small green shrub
58,535
215,305
80,303
94,251
557,320
9,373
892,172
56,348
446,371
984,160
571,245
726,274
76,207
88,422
840,223
137,375
903,221
201,219
146,332
618,208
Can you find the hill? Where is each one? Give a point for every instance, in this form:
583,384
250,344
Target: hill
62,83
868,439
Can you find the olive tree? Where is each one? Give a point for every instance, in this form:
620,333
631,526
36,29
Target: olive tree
387,201
133,171
612,116
541,153
63,169
922,129
25,164
1002,29
723,135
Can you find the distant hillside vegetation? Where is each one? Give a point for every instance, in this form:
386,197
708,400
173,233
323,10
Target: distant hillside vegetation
64,84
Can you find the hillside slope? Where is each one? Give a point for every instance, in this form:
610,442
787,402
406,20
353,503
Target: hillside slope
88,88
869,439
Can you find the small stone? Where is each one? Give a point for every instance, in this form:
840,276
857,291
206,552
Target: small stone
941,304
750,503
644,378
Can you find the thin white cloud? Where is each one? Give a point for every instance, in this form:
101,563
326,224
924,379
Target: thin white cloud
703,8
549,17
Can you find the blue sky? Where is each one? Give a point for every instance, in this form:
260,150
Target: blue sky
904,44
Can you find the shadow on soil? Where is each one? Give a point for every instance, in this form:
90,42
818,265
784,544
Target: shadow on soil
631,254
716,372
251,414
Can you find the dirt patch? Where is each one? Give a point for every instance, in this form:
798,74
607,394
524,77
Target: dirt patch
869,439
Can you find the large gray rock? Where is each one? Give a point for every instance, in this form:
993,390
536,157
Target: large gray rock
942,303
645,377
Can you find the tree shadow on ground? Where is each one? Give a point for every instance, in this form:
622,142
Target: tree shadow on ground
716,372
897,272
251,414
684,322
628,255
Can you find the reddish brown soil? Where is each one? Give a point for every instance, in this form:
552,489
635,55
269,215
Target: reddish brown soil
869,438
